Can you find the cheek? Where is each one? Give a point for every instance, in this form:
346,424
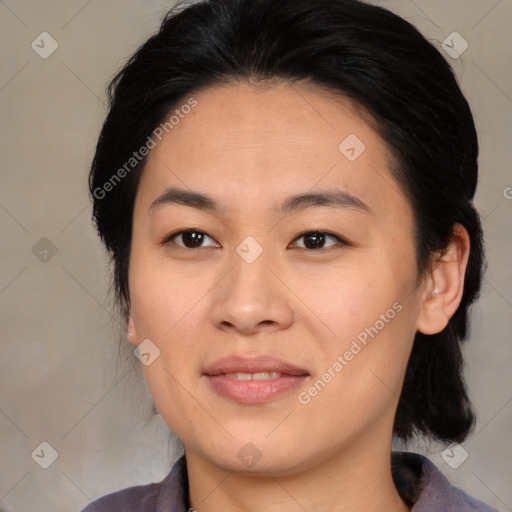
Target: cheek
167,306
347,299
161,296
170,393
362,371
369,308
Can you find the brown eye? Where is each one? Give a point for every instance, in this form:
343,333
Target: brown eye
315,240
190,239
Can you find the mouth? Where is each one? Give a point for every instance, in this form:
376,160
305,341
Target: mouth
253,380
262,367
253,376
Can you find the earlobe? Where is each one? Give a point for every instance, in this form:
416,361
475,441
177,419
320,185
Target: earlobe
443,288
131,334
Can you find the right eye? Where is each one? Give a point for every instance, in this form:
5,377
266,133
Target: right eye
190,239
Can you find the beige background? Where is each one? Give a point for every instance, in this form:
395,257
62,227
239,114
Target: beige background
59,380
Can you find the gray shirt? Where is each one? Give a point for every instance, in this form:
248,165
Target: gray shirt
418,481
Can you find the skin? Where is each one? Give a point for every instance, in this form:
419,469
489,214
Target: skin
249,147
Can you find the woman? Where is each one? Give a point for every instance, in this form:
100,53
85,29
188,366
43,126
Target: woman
285,189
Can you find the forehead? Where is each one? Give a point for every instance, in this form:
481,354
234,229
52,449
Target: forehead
250,146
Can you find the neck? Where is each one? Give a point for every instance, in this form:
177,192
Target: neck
350,479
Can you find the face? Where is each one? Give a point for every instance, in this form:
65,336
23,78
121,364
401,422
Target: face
229,288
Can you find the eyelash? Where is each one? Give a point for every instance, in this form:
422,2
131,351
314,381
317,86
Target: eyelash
341,241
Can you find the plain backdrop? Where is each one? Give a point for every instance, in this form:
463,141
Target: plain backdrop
61,382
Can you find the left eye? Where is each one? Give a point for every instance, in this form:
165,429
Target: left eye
315,240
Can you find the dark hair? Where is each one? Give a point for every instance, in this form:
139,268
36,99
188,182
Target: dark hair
389,71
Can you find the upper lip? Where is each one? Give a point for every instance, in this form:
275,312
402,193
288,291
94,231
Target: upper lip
241,364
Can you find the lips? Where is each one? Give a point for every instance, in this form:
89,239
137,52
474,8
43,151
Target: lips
260,364
253,380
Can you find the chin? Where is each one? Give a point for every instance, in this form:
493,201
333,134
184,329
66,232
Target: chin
257,457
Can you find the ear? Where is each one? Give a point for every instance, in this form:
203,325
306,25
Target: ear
443,289
131,333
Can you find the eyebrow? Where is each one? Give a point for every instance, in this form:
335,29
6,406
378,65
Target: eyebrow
331,198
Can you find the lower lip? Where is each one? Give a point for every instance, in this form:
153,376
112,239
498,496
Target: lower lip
254,391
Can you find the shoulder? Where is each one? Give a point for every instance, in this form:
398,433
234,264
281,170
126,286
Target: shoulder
426,488
132,499
171,494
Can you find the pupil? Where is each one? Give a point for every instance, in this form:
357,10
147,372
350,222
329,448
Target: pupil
192,238
319,240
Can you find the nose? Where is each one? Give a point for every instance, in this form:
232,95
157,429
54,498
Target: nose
252,298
